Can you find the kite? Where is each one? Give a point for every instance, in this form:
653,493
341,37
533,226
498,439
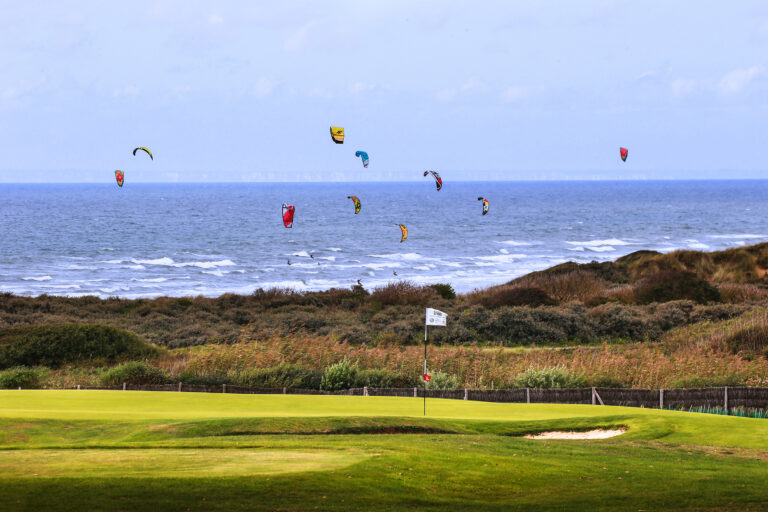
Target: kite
357,203
337,134
438,180
364,156
623,152
404,233
288,211
145,150
119,177
485,204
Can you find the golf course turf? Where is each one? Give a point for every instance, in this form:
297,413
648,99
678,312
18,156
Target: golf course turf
114,450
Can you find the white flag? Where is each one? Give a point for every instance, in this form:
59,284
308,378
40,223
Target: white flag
435,317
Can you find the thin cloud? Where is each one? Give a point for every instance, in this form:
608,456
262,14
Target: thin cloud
737,80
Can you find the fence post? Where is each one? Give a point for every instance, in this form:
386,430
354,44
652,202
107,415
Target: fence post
123,386
284,390
726,399
415,393
223,388
365,390
527,395
594,400
661,399
78,387
466,394
179,387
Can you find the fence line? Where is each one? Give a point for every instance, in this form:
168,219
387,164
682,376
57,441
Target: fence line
727,398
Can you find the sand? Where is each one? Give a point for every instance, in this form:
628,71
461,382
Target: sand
589,434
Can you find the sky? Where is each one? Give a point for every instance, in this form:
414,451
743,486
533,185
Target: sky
477,90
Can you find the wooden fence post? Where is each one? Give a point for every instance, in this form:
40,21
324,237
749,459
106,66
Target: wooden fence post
365,390
223,388
726,399
179,387
466,394
285,390
415,393
78,387
123,386
661,399
594,400
527,395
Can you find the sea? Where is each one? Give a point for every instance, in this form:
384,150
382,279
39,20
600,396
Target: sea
173,239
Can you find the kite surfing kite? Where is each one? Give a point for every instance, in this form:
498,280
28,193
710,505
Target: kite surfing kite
364,156
485,204
438,180
357,203
623,152
404,233
119,177
288,211
146,150
337,134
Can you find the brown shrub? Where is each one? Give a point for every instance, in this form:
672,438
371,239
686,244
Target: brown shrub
403,293
511,296
732,293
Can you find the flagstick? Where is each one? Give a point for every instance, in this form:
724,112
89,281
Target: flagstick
425,368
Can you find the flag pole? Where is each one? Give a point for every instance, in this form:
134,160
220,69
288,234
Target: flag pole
424,376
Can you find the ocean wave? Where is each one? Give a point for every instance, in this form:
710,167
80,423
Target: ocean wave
408,256
111,262
32,278
515,243
578,249
737,236
135,267
601,248
329,258
695,244
151,280
158,261
217,273
334,249
300,254
205,264
598,243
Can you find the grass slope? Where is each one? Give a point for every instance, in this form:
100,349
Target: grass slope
78,450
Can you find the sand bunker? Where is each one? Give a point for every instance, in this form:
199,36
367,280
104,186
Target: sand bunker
589,434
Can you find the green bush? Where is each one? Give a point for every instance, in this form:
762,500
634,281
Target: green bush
52,345
441,380
514,296
374,379
548,378
342,375
669,285
444,290
751,339
136,373
282,376
22,377
205,380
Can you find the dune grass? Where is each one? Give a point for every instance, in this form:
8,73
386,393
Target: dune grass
99,450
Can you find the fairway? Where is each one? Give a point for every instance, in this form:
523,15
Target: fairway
114,450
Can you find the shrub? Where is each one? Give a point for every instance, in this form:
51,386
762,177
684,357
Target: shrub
374,379
403,293
204,380
55,344
669,285
739,293
281,376
341,375
446,291
512,296
617,321
136,373
750,339
441,380
22,377
711,381
547,378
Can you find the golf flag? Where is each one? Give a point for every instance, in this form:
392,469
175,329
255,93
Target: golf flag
435,317
427,377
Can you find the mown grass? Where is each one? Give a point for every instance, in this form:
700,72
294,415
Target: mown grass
81,450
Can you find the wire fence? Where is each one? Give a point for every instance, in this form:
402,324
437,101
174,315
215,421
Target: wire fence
739,401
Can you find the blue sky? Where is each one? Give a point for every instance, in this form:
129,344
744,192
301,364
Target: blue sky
246,91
